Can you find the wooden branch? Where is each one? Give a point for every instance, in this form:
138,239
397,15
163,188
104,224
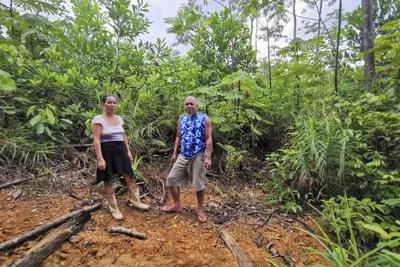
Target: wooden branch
212,175
15,182
165,150
161,151
126,231
76,196
269,217
44,228
238,253
304,224
39,252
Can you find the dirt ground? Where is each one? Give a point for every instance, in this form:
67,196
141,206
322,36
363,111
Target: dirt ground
172,239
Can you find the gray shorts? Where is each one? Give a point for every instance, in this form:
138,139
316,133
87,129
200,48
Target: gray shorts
185,169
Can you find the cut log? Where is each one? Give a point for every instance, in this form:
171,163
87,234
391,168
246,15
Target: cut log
237,251
15,182
39,252
44,228
126,231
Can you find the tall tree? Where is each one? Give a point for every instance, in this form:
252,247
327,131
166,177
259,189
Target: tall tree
275,20
337,46
294,20
368,42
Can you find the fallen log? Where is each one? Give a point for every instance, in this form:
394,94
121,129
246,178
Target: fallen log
126,231
237,251
39,252
15,182
44,228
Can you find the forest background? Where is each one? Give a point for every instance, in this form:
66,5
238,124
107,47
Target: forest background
322,112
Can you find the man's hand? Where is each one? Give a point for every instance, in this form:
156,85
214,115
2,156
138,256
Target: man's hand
173,158
130,156
101,164
207,164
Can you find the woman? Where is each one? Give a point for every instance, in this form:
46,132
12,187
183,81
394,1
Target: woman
113,155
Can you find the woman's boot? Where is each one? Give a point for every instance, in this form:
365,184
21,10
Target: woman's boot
134,198
112,203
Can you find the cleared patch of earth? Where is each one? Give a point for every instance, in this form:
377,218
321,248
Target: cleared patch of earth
172,239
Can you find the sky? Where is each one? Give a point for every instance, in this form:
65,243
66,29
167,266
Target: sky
160,9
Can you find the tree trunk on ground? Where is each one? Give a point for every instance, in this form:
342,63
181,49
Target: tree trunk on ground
237,251
39,252
44,228
15,182
368,41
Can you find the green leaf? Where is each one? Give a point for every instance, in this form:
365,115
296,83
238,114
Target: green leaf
22,100
67,121
50,116
30,110
40,127
391,202
35,120
6,83
376,229
395,255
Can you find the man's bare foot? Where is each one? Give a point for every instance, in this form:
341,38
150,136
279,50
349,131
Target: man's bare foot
201,215
172,208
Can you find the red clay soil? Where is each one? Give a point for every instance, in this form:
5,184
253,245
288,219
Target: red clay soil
172,239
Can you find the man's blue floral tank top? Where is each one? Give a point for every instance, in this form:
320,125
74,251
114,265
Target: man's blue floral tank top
192,134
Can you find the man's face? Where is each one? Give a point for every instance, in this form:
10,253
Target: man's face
190,106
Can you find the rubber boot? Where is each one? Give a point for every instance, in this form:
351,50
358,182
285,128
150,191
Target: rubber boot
112,203
134,198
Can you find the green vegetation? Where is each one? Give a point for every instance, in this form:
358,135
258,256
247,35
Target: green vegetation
322,111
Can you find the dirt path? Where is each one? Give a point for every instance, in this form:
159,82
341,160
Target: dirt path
173,239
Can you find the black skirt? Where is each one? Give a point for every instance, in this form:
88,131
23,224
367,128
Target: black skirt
117,161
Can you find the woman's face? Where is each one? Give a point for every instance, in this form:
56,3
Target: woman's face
110,105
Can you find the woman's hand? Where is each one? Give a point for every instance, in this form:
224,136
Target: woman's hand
101,164
130,156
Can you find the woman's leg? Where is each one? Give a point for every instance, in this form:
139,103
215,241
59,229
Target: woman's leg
107,188
112,202
133,193
130,182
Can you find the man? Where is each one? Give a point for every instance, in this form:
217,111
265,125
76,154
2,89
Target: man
194,135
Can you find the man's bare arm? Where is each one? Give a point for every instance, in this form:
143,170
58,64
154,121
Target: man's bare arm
209,148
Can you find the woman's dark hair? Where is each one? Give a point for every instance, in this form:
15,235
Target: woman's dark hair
104,98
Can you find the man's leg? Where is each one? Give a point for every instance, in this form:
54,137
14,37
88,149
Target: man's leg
177,177
176,197
198,175
200,199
